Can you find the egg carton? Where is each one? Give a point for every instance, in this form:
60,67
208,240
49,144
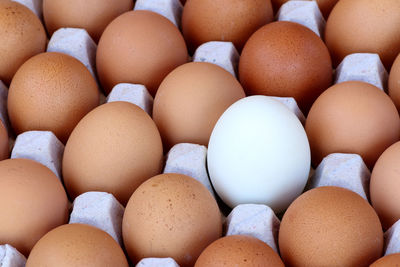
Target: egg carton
156,262
10,257
35,5
171,9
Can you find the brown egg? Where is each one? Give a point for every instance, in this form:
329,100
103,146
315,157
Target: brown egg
91,15
324,5
352,117
21,36
286,59
32,202
4,144
388,261
51,92
224,20
191,99
77,245
238,250
330,226
385,186
170,215
394,82
139,47
364,26
113,149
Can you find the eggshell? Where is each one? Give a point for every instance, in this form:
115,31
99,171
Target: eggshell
139,47
91,15
32,202
51,92
238,250
352,117
387,261
330,226
324,5
113,149
364,26
191,99
258,154
170,215
385,186
225,20
286,59
394,82
77,245
22,36
4,144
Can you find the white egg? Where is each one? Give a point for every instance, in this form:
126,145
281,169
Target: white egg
259,153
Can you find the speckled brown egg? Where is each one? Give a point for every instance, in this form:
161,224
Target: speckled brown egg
170,215
352,117
394,82
385,186
330,226
392,260
364,26
224,20
22,36
239,250
51,92
324,5
191,99
32,202
286,59
91,15
77,245
139,47
113,149
4,144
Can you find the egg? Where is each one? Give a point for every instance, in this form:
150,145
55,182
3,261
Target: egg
385,185
91,15
51,92
239,250
364,26
77,245
394,82
170,215
32,202
330,226
113,149
324,5
352,117
139,47
286,59
190,100
258,153
388,260
224,20
22,36
4,143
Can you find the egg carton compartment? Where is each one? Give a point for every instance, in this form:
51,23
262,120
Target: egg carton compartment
157,262
10,257
35,5
171,9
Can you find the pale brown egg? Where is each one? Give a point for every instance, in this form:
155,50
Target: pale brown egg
4,143
352,117
22,36
32,202
364,26
191,99
170,215
286,59
324,5
239,250
51,92
113,149
391,260
91,15
224,20
139,47
77,245
394,82
385,186
330,226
